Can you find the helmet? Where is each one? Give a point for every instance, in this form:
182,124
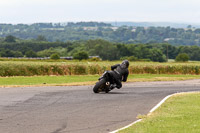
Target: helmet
125,64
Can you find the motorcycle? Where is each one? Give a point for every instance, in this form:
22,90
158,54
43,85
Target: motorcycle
104,83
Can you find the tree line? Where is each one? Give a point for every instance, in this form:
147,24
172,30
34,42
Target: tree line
11,46
94,30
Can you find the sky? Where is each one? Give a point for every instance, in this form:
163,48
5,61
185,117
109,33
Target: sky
36,11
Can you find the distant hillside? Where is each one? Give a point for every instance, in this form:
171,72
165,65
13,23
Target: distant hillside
154,24
88,24
114,32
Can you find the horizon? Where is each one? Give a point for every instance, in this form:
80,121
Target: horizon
179,23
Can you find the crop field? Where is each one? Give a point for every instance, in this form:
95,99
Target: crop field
38,68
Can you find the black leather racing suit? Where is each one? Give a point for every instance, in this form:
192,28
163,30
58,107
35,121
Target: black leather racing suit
120,73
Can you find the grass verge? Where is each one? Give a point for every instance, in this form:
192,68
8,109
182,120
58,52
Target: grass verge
179,114
83,79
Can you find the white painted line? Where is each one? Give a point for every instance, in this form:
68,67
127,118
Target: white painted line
160,103
126,126
153,109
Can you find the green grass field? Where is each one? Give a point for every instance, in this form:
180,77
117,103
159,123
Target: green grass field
83,79
179,114
47,80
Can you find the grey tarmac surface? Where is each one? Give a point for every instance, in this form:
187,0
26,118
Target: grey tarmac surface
76,109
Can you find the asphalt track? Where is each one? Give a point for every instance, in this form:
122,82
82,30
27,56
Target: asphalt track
76,109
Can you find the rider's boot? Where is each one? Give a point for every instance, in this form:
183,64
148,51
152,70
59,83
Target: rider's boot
112,86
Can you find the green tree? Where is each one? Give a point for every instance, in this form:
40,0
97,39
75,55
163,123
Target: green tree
18,54
80,55
157,55
195,54
106,50
41,38
123,50
142,51
8,53
30,53
182,57
10,38
55,56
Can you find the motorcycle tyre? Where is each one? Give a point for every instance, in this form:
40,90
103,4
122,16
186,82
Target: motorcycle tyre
98,85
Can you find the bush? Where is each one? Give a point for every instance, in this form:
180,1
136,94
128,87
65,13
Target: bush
95,59
124,58
130,58
81,55
183,57
144,60
55,56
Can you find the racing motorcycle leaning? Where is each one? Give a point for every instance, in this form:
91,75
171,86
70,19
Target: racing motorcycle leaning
104,84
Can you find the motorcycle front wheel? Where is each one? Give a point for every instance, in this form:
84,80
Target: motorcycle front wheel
99,86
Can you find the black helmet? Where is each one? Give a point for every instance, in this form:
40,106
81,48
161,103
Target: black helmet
125,64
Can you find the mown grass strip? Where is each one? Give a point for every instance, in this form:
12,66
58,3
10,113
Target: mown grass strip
83,79
179,114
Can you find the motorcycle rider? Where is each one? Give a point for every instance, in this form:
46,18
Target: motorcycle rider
120,73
